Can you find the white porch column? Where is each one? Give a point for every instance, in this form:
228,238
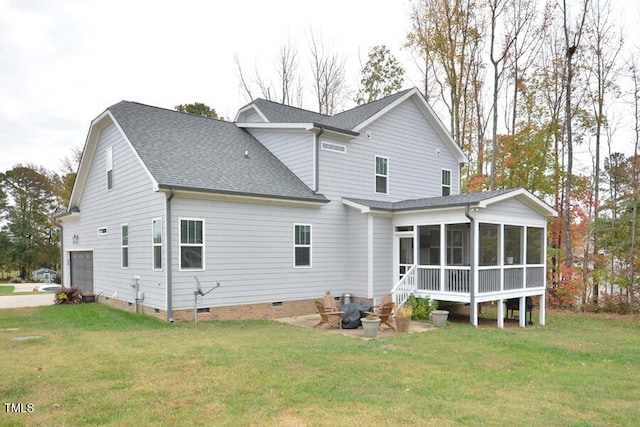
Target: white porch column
543,307
370,255
474,237
443,254
501,313
522,315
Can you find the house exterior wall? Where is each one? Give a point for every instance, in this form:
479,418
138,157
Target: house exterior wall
383,277
249,250
294,148
518,212
406,138
132,201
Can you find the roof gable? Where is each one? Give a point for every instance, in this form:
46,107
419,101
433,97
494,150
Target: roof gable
349,122
481,200
194,153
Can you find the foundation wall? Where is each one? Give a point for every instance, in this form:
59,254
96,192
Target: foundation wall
267,311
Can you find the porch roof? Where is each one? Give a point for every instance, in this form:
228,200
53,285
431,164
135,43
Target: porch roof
459,200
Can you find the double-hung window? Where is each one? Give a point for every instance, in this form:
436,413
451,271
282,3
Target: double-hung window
109,168
125,246
157,243
382,175
446,182
191,244
302,245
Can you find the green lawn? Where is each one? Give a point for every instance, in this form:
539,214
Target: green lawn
6,290
94,365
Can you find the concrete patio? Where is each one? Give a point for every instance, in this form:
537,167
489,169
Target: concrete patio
308,321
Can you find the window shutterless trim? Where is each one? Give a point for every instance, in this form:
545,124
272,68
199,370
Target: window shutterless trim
109,168
443,182
182,245
156,244
302,245
382,174
124,244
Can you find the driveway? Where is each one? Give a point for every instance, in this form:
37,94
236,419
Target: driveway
18,301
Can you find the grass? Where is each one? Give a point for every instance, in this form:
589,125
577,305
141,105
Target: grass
94,365
6,290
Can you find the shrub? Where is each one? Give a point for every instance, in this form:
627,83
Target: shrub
15,280
422,307
72,295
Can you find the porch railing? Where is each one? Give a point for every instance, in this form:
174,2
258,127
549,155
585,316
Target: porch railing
405,287
455,280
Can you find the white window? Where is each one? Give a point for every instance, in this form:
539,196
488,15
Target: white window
338,148
125,245
109,168
191,244
157,243
302,245
382,175
446,182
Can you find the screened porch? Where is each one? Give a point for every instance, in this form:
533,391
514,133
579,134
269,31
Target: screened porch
437,260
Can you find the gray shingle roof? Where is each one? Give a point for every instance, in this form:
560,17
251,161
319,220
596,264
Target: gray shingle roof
185,151
432,202
347,120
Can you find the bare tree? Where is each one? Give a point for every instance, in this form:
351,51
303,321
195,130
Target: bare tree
328,72
287,68
244,84
514,17
289,87
604,46
635,179
572,43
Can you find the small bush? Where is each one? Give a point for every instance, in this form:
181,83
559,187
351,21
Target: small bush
422,307
72,295
15,280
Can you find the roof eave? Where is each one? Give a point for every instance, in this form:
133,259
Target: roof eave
246,196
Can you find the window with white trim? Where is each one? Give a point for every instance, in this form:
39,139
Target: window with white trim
156,227
382,175
191,244
125,245
446,182
302,245
109,168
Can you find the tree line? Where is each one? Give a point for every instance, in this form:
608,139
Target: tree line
522,84
527,88
30,197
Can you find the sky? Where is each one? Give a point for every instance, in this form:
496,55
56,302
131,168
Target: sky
63,62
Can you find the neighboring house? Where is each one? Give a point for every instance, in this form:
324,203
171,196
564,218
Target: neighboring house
284,205
45,275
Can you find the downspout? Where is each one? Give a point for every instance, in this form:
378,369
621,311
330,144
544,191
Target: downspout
472,294
316,154
172,193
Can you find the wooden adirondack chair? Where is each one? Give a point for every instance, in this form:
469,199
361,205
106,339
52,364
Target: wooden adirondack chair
328,318
385,300
385,313
330,302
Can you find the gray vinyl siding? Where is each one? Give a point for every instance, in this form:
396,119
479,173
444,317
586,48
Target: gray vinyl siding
132,201
383,277
293,148
520,213
357,241
406,138
251,117
249,250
